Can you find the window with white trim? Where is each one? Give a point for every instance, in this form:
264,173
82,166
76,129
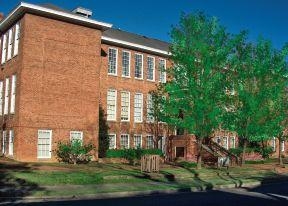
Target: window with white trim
138,107
232,142
151,68
44,143
16,40
112,61
13,94
162,70
137,141
149,142
125,106
1,97
139,66
111,104
225,142
11,142
76,135
6,101
112,141
125,64
4,48
150,117
124,141
282,146
10,43
274,144
4,140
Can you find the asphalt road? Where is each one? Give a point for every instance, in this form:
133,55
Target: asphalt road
272,194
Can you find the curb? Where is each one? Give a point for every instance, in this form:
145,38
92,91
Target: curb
112,195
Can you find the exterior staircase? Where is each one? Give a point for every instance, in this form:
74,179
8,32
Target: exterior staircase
213,154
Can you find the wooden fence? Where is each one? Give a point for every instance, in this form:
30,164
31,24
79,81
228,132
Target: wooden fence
150,163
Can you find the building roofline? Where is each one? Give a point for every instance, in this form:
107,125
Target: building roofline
23,8
133,45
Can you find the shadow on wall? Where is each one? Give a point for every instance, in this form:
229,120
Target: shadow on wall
11,187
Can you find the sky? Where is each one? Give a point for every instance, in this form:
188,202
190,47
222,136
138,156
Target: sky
154,18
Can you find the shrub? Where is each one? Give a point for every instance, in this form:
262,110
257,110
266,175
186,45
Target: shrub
266,151
74,152
103,134
236,151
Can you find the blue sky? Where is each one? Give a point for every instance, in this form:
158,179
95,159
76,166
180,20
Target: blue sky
154,18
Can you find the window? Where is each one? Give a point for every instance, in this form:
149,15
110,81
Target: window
112,61
111,104
138,107
225,142
232,142
4,49
11,142
162,70
137,141
149,142
13,94
125,106
17,37
150,68
282,146
150,117
112,141
124,141
4,140
125,64
139,66
6,96
274,144
44,143
1,97
10,43
76,135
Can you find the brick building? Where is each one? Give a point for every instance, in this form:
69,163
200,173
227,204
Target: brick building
59,67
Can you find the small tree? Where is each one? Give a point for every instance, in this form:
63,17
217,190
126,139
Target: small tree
103,134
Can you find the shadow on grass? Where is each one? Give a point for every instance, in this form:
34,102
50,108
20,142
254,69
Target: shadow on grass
12,188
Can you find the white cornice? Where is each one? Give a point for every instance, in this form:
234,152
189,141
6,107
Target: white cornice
31,8
133,45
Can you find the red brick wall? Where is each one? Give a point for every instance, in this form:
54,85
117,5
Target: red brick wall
131,85
58,83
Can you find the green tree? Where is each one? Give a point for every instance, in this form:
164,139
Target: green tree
200,53
256,74
103,134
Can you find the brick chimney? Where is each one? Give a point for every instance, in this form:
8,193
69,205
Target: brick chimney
1,16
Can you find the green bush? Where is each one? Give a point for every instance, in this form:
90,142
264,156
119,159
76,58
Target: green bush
74,152
187,165
236,151
115,153
266,151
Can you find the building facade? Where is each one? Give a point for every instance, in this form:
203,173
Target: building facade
58,68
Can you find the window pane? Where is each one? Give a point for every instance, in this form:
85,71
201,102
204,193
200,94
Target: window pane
137,141
150,69
138,66
162,70
111,105
125,104
125,64
112,61
124,141
138,104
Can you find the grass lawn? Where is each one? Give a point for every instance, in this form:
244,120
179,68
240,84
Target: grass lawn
44,179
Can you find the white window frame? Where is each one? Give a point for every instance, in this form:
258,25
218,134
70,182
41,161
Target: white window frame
115,105
140,78
76,132
11,142
122,106
4,49
149,104
4,140
116,61
162,72
137,136
128,142
10,44
16,40
50,144
234,142
13,94
227,142
141,108
1,97
282,146
153,58
274,144
147,145
6,100
129,63
115,141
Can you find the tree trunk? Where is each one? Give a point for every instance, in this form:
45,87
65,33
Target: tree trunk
280,153
244,152
199,155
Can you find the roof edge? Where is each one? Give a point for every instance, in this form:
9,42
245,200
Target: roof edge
35,9
133,45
